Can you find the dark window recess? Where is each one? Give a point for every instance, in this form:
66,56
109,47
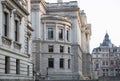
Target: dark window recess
50,62
50,33
7,64
60,33
5,24
51,48
67,35
68,63
28,72
61,49
16,30
68,49
17,66
27,42
62,63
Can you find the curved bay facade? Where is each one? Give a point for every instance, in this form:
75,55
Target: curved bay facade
58,40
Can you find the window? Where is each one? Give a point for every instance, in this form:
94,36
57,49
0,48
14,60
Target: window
111,62
103,62
27,44
16,30
28,70
106,62
68,63
103,70
51,48
60,33
7,64
6,20
17,66
97,66
107,70
51,62
68,49
50,33
61,49
61,63
67,35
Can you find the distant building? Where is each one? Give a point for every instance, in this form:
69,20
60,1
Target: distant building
15,40
106,59
60,40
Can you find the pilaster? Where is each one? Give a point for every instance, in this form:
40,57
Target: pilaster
44,29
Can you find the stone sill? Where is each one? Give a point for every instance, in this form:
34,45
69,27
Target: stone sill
17,45
6,40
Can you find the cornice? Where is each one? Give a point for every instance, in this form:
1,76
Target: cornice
13,52
56,19
62,9
54,42
57,42
54,53
20,7
42,2
6,3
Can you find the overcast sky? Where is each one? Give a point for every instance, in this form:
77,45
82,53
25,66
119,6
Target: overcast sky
104,15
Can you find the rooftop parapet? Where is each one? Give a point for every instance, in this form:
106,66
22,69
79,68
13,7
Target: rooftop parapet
62,6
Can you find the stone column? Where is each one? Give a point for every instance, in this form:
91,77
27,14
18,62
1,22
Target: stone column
56,32
65,33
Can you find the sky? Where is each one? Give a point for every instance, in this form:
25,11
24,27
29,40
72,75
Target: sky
104,16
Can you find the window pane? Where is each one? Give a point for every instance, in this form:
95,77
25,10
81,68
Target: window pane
17,66
61,49
97,66
51,62
67,35
60,33
61,63
50,33
5,24
51,48
68,49
68,63
16,30
28,72
7,64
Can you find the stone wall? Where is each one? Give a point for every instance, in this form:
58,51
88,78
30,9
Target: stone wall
112,78
15,80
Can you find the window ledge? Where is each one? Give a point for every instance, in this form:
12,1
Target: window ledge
17,45
6,40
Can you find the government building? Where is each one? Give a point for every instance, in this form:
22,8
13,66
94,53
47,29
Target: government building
106,59
15,40
60,45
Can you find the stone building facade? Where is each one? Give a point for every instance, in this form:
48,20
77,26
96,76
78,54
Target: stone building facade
15,40
106,59
60,39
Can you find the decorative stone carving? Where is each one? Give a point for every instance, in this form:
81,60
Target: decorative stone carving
6,40
17,45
